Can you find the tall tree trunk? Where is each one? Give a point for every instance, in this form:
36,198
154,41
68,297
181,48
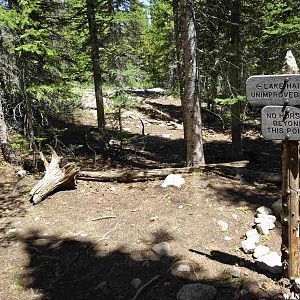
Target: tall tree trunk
95,57
235,78
29,128
4,140
187,68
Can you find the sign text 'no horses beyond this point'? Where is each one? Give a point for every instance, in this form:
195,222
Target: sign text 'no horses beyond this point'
273,90
280,123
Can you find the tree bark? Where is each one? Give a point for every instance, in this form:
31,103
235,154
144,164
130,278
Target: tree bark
187,69
235,78
4,139
95,57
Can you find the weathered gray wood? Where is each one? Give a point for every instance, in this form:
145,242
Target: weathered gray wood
236,168
273,90
290,197
280,123
55,176
140,175
290,205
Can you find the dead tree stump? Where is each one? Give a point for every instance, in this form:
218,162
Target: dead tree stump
56,176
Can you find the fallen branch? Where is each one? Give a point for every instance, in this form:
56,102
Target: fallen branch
160,114
139,291
142,175
103,218
55,176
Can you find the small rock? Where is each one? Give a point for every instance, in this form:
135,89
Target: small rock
270,218
264,210
180,206
113,190
184,268
224,225
265,221
263,228
152,219
297,285
35,219
173,180
248,245
234,216
270,262
234,272
196,291
260,251
252,234
136,283
227,238
277,208
21,173
162,249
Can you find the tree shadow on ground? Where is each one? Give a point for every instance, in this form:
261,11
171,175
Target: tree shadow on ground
11,205
150,151
62,268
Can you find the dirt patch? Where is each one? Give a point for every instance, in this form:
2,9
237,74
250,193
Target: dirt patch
55,250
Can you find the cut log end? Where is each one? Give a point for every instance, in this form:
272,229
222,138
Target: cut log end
55,177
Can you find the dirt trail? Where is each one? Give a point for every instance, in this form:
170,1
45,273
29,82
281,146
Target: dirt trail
55,250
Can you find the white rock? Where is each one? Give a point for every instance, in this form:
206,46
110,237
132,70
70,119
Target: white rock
21,173
35,219
264,210
265,222
248,245
136,283
162,249
297,285
227,238
263,228
196,291
277,208
184,268
173,180
271,218
260,251
270,262
252,234
224,225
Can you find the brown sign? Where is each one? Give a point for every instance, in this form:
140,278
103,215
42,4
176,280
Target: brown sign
273,90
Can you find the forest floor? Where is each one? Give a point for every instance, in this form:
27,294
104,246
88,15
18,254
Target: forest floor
55,250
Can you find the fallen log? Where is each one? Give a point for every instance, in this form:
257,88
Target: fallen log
142,175
160,114
56,176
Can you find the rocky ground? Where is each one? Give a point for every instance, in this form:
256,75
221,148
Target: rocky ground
140,240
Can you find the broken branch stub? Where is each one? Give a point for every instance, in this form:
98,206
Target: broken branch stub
55,176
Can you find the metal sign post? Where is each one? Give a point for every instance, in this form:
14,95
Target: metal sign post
281,121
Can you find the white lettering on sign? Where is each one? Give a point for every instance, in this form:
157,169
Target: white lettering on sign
279,123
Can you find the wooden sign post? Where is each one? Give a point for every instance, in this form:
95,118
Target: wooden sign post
281,121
